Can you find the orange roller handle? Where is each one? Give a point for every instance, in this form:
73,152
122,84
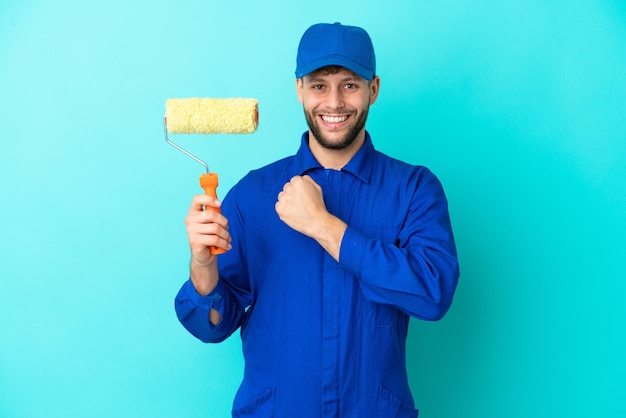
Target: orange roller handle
209,182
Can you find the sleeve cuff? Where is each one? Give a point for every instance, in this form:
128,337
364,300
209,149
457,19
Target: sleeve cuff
213,300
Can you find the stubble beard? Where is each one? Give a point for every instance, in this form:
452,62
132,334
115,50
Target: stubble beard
347,140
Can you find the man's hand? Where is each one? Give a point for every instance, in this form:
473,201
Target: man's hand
205,229
301,206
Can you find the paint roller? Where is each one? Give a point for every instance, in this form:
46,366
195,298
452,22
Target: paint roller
209,116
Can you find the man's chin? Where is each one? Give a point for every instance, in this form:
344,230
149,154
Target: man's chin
336,142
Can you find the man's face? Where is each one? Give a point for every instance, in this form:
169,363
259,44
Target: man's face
336,103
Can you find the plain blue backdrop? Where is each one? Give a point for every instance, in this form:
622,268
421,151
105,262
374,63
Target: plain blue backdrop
518,107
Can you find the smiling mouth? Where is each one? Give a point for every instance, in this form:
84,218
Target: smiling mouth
334,119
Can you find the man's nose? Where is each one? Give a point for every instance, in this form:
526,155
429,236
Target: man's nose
335,99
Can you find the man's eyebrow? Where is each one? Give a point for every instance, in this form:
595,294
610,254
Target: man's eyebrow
315,79
354,78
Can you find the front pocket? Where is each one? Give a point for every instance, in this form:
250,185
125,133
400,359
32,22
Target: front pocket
389,406
260,407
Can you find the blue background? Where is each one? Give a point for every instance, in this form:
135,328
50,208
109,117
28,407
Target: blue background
518,107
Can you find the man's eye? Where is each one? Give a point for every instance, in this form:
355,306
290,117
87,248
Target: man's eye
318,87
351,86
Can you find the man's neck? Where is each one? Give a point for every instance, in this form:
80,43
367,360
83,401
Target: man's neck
333,158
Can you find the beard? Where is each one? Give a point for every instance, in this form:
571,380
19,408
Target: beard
346,141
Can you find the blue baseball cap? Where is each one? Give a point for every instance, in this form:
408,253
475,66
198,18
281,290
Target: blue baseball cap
326,44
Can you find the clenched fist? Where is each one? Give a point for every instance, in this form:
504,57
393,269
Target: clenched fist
301,206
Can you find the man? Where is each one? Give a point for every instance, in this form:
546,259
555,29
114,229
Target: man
329,253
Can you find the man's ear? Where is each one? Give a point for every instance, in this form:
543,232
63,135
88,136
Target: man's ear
299,89
374,88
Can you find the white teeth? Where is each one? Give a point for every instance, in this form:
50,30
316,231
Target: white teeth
334,119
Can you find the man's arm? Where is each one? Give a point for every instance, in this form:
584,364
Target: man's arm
418,275
206,228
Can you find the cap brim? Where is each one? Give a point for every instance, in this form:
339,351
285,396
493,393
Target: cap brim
338,60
